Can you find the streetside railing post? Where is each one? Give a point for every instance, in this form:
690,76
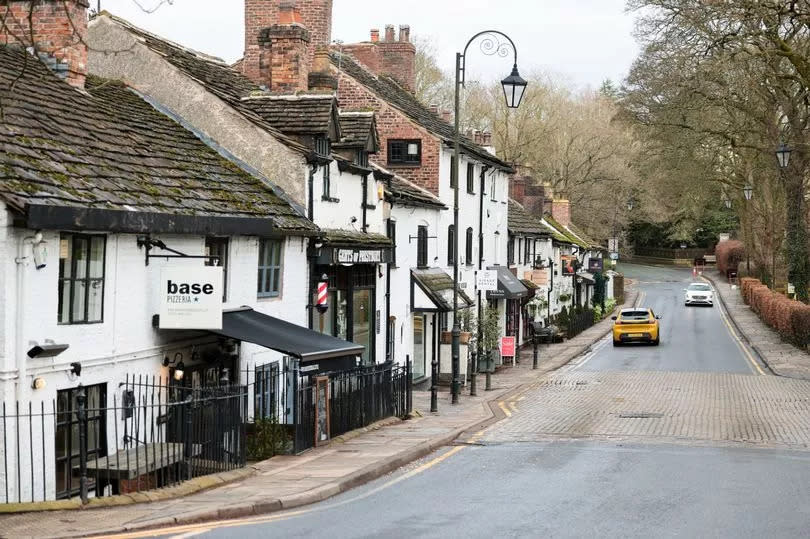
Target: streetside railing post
187,431
81,415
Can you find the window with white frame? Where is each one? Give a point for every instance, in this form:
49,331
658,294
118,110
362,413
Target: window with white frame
269,279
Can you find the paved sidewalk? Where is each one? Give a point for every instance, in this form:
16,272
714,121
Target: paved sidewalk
285,482
782,358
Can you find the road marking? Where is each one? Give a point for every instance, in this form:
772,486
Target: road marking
746,353
191,534
512,406
504,409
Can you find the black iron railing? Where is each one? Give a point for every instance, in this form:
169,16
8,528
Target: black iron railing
147,434
579,322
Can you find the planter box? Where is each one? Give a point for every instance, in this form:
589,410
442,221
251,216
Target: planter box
447,337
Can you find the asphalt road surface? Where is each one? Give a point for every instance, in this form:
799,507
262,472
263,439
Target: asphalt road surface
690,439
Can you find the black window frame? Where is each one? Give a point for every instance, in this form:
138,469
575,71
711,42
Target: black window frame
468,251
391,232
361,158
327,182
323,146
451,245
276,270
401,157
492,194
421,246
510,251
211,241
87,279
471,178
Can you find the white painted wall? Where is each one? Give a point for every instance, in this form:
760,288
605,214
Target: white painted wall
125,343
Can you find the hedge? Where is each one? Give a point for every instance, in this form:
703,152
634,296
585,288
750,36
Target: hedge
790,318
729,255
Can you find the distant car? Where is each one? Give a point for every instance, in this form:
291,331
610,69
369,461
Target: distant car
636,325
698,294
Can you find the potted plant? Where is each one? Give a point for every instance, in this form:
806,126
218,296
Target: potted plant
490,331
466,321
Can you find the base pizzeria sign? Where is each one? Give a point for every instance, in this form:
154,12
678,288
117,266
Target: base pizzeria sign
191,297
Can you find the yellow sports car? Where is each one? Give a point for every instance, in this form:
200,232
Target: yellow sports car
636,325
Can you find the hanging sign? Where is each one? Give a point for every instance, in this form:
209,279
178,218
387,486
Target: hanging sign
486,279
190,297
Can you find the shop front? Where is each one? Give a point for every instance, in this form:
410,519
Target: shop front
513,292
352,266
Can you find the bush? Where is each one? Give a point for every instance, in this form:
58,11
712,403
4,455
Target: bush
729,255
266,438
789,318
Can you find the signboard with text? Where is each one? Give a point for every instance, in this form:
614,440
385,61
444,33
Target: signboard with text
190,297
508,346
613,245
486,280
568,265
595,265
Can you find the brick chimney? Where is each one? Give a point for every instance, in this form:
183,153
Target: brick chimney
321,79
561,211
447,116
390,56
58,33
517,188
434,108
315,16
534,197
283,64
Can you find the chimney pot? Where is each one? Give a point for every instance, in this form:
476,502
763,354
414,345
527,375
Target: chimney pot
288,13
375,35
405,33
486,138
447,116
434,108
477,136
389,32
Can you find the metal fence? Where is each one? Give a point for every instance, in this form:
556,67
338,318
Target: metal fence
670,253
356,398
579,322
148,435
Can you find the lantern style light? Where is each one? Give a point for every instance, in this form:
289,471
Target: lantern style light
748,191
783,155
514,87
630,204
727,202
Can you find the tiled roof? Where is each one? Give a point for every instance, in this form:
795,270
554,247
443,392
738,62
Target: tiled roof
578,232
110,150
213,73
399,190
522,222
357,127
297,114
337,236
394,94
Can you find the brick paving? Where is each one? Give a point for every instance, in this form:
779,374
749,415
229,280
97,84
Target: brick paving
782,358
710,407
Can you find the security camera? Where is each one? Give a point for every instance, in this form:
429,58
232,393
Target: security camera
40,252
76,368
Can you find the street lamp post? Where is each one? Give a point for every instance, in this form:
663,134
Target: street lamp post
513,88
748,192
783,158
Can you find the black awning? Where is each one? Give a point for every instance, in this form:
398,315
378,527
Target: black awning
297,341
437,286
509,287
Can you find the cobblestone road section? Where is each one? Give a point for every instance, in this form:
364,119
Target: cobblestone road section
662,406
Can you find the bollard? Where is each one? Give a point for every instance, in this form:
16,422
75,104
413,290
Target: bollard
534,358
474,374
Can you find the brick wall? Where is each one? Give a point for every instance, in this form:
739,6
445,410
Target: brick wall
517,188
316,16
534,199
392,124
59,31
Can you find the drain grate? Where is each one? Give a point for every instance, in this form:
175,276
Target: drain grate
640,415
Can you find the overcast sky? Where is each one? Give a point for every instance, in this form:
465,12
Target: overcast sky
585,41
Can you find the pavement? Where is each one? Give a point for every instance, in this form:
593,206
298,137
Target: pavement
783,359
286,482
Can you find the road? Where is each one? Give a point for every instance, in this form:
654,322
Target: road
691,439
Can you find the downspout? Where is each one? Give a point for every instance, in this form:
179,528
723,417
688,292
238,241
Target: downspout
311,251
364,200
22,265
483,182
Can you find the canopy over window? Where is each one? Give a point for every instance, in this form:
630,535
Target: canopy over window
245,324
509,287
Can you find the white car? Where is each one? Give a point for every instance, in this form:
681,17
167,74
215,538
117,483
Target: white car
699,294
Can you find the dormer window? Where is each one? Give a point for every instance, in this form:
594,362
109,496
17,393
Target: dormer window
322,146
361,158
405,152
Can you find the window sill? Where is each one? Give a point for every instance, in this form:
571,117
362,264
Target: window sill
370,206
268,297
404,165
79,323
470,192
329,199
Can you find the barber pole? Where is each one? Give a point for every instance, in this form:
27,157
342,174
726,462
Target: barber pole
323,294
